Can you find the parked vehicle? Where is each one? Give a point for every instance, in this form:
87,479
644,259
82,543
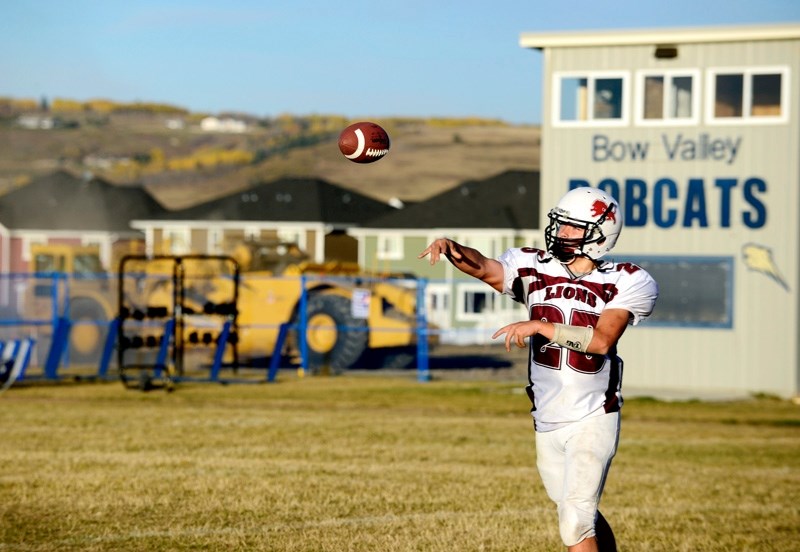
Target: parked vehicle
352,318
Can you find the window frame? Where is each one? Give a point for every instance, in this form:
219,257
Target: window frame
182,232
395,250
252,233
477,287
591,77
292,234
490,245
697,94
28,240
441,316
214,240
747,72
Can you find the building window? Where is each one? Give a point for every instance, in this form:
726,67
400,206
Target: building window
440,301
474,302
177,240
488,245
31,240
252,233
292,235
766,98
215,237
755,95
438,304
590,99
49,262
667,97
390,247
729,95
694,292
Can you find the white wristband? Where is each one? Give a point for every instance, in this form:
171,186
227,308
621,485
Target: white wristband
573,337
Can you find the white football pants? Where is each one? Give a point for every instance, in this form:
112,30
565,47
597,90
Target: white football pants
573,462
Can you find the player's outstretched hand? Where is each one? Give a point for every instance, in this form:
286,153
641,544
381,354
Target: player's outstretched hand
517,332
442,246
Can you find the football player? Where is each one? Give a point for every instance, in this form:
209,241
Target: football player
579,306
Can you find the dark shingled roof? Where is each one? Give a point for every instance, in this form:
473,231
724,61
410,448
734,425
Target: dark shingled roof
62,201
507,200
289,200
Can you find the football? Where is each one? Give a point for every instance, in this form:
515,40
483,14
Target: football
364,142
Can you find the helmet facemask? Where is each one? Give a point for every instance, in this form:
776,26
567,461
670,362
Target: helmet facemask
564,249
594,212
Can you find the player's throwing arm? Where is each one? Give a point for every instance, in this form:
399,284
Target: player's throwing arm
468,260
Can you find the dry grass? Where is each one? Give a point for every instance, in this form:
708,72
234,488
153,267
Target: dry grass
367,463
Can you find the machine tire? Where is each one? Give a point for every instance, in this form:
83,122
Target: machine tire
331,348
87,340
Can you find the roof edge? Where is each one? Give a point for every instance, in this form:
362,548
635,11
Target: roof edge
687,35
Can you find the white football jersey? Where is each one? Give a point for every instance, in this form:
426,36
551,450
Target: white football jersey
566,385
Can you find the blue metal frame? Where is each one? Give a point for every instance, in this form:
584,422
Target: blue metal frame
423,371
62,325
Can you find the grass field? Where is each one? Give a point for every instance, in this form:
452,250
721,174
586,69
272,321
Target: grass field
374,463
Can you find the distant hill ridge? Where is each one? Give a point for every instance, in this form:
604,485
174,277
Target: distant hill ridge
165,149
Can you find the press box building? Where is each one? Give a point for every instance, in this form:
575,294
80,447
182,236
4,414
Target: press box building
696,132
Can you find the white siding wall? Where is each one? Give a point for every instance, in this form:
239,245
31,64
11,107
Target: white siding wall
759,352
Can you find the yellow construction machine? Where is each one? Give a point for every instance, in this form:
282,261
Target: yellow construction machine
70,279
353,319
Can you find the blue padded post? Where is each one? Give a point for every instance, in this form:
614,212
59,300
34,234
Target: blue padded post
423,372
57,347
163,349
222,340
18,370
108,349
274,363
304,364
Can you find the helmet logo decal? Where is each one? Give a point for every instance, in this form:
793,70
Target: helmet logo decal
588,209
599,208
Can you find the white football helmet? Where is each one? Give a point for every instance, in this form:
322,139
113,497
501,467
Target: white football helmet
591,209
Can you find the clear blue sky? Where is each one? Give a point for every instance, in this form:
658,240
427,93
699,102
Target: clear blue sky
353,58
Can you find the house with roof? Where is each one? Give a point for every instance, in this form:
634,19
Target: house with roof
491,215
312,213
696,132
224,124
61,208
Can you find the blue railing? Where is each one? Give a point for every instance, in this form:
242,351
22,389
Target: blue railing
40,306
